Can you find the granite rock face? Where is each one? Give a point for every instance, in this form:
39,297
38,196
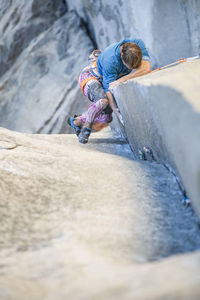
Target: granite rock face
91,222
45,44
71,230
163,113
170,29
21,22
40,89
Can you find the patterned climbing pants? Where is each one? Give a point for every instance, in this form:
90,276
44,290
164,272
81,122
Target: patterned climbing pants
98,112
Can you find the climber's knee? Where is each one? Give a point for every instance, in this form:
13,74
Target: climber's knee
104,102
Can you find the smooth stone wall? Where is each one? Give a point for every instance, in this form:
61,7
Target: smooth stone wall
89,222
162,111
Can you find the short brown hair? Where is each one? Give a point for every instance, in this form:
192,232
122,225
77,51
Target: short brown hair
132,55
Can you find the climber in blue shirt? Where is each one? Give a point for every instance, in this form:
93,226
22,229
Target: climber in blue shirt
111,65
117,63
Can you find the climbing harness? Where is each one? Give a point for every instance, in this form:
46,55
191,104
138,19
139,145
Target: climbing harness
93,57
83,83
93,69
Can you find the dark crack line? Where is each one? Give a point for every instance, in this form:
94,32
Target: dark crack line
56,109
52,127
88,32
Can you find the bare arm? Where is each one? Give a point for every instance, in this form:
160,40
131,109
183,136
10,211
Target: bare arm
114,107
143,69
111,101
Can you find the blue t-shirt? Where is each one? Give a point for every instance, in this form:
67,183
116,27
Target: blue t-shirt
110,65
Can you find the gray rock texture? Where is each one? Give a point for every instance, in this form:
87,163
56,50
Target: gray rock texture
41,88
170,29
37,42
91,221
162,111
21,22
72,229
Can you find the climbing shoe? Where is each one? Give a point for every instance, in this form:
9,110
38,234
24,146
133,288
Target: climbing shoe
77,129
84,135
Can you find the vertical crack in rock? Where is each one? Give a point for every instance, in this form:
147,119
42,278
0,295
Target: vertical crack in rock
4,6
89,32
52,66
56,109
86,25
26,27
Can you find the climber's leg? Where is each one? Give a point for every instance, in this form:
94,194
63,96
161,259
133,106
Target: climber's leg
94,110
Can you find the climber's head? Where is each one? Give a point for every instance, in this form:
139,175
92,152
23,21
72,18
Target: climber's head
131,55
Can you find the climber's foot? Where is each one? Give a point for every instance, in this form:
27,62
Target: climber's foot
77,129
84,135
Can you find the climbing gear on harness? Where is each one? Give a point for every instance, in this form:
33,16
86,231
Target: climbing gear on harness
94,55
181,60
85,81
84,135
186,201
148,154
140,153
145,153
77,129
92,69
93,63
